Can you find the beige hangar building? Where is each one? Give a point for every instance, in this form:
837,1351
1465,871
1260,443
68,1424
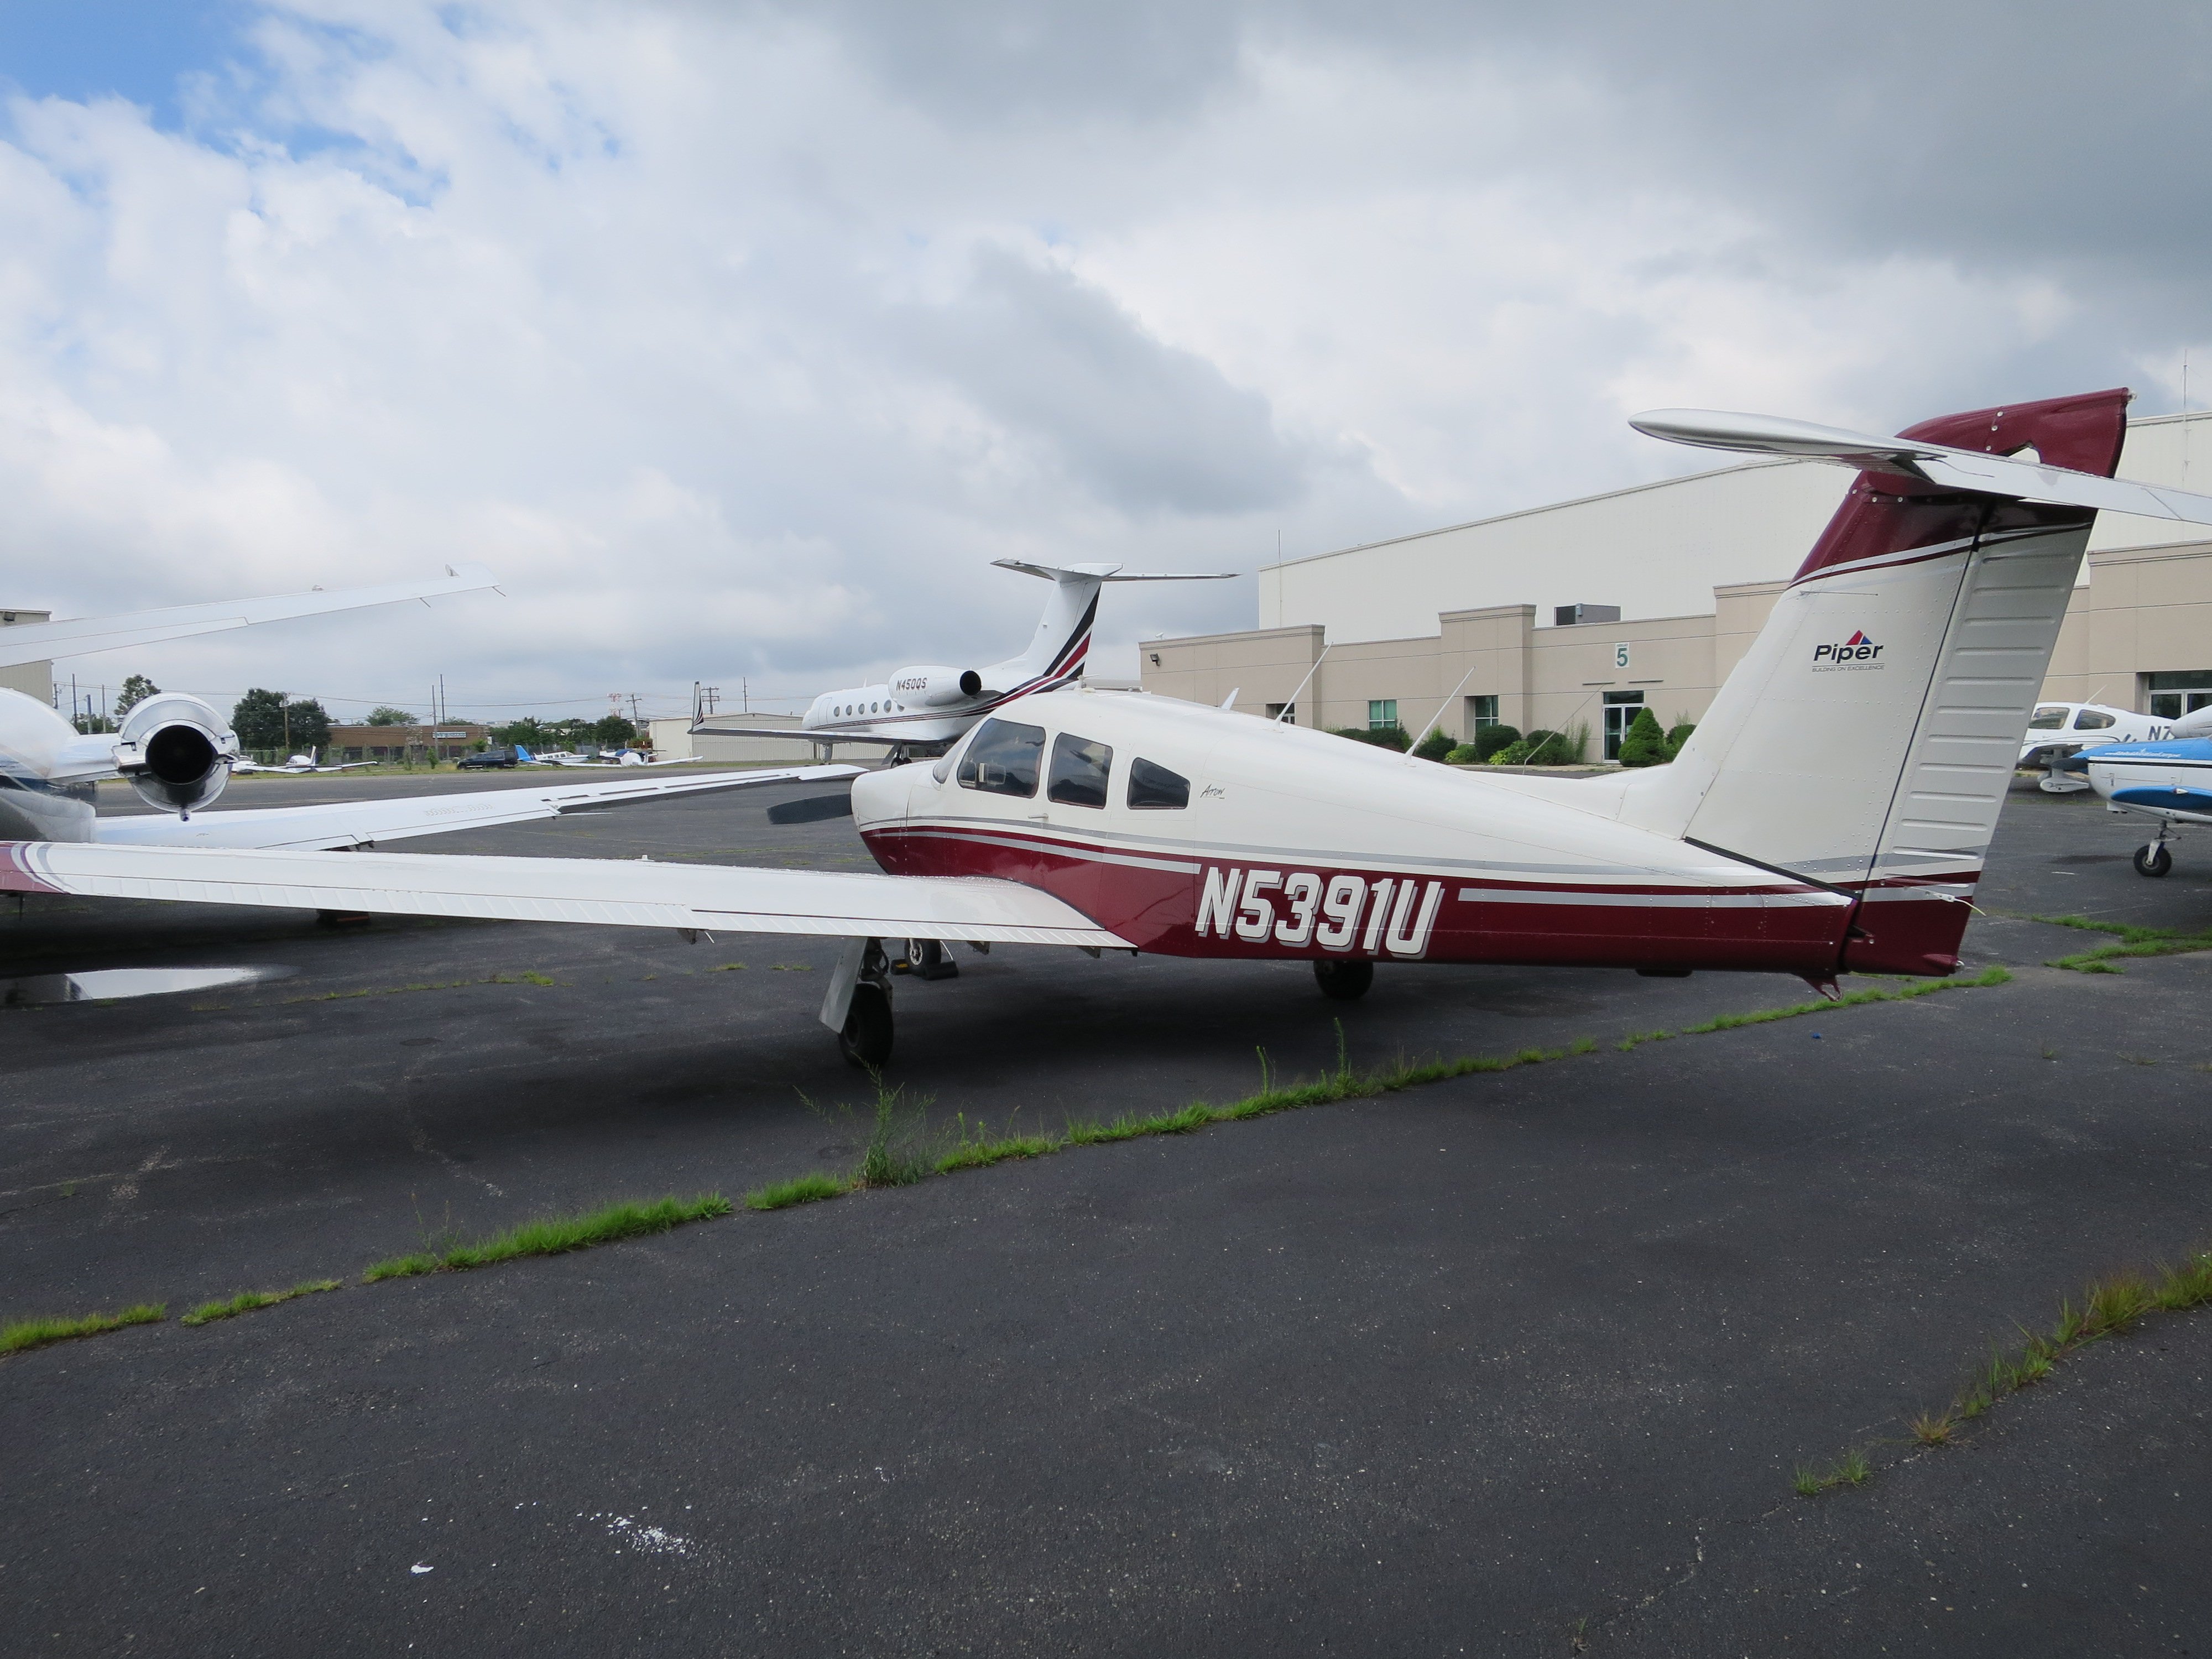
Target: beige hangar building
1585,611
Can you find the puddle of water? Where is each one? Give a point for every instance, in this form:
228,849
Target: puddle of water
105,984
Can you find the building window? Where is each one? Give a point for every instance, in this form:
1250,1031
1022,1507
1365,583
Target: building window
1481,712
2172,696
1285,712
1621,709
1382,714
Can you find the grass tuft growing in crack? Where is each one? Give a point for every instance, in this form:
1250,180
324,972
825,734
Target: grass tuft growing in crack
555,1235
249,1301
1851,1469
799,1189
26,1333
2134,941
2107,1307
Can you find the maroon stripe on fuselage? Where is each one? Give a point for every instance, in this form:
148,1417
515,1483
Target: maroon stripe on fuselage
1157,909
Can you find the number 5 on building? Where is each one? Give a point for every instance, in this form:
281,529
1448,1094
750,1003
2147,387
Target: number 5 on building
1620,656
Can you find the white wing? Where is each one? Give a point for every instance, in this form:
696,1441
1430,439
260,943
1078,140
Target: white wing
362,823
38,641
604,892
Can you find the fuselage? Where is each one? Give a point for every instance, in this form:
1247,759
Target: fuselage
2171,780
41,797
1191,831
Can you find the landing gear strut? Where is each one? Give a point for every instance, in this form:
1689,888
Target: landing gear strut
2154,859
1344,980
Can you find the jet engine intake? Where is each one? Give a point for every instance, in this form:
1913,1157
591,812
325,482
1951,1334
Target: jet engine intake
934,687
176,752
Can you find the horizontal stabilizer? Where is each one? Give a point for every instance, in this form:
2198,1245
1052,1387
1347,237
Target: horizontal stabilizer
1939,464
1107,573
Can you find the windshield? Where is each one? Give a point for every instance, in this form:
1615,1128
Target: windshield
1003,759
2048,718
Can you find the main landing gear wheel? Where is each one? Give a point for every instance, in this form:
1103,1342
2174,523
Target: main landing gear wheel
866,1042
2154,859
1347,982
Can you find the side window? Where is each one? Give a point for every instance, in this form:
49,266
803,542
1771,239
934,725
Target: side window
2047,719
1153,787
1079,771
1003,759
2092,720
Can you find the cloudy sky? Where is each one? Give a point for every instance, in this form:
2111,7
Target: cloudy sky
739,337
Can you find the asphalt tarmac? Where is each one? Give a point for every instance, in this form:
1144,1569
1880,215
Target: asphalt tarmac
1499,1365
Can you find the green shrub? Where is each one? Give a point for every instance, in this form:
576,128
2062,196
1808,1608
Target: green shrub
1436,747
1383,737
1539,748
1489,739
1463,754
1644,743
1677,735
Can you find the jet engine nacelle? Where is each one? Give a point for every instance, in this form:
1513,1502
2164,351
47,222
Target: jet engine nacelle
934,687
176,751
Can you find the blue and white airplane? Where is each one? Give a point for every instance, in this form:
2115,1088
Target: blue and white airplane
2169,780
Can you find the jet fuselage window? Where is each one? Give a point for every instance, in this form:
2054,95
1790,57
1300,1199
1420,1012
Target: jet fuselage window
2047,719
2092,720
1079,771
1154,788
1003,759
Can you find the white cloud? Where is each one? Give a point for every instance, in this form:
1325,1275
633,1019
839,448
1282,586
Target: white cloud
739,342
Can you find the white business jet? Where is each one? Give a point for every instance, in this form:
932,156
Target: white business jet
920,709
178,752
1830,814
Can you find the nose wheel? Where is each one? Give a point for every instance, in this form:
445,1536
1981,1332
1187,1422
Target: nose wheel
1344,980
2153,860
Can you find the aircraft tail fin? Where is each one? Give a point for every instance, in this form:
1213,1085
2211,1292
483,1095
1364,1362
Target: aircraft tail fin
1866,741
1062,641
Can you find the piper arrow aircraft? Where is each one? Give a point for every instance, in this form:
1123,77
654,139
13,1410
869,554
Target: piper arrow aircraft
1830,814
918,710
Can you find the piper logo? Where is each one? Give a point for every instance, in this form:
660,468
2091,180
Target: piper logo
1856,651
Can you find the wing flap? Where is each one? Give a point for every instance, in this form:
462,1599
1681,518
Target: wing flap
593,892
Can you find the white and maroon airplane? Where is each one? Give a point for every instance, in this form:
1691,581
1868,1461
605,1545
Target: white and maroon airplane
920,709
1830,814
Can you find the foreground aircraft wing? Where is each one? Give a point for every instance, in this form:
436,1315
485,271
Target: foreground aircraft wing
1935,464
38,641
606,892
364,823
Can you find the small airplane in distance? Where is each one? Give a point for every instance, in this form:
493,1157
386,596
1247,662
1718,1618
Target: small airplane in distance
1831,814
297,764
920,709
2168,780
2056,730
622,757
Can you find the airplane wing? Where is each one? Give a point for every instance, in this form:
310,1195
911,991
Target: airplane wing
799,734
38,641
365,822
605,892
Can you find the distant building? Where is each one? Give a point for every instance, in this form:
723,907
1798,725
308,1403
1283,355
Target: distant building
1445,623
33,679
417,744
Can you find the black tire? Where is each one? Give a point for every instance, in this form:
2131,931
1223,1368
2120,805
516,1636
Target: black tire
2153,860
866,1042
1344,980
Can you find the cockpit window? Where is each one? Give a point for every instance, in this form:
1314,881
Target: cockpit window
1079,771
1152,787
1003,759
2048,718
2092,720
